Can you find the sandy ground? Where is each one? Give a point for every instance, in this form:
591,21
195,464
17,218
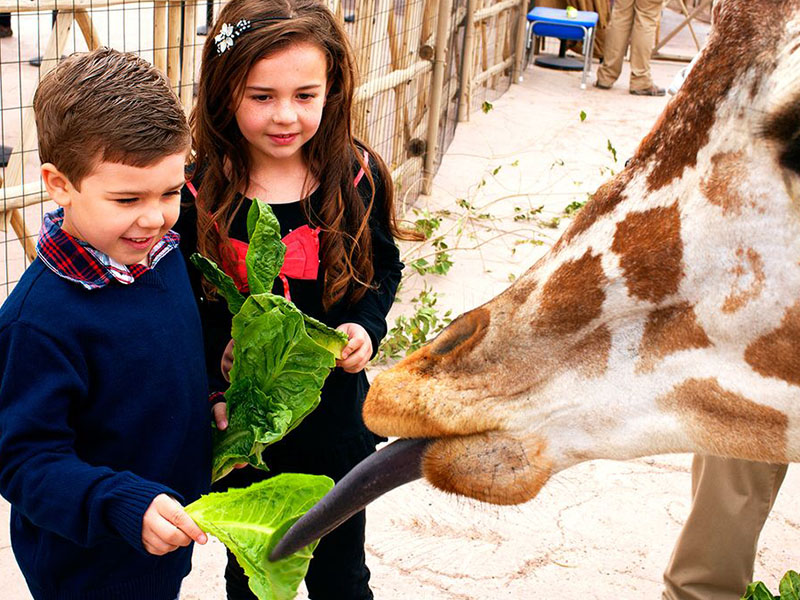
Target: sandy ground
601,530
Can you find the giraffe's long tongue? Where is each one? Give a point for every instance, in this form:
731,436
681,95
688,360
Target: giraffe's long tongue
398,463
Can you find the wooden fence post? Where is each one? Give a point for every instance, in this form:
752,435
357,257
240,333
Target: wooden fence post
465,96
439,64
522,29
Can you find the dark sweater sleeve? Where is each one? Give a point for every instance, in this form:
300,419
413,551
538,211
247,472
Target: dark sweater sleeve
41,474
370,312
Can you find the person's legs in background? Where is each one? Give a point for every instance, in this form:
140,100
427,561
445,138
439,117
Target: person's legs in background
5,25
647,14
714,555
617,35
339,569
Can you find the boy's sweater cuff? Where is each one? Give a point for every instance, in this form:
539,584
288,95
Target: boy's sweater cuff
127,503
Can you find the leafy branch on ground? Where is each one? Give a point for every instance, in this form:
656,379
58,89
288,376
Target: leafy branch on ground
411,332
789,589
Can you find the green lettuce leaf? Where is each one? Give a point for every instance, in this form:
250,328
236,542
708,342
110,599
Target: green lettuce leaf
256,423
281,356
266,252
250,522
277,376
219,279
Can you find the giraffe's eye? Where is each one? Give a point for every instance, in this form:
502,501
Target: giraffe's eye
790,157
784,127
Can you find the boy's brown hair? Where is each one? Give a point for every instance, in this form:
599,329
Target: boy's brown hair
107,106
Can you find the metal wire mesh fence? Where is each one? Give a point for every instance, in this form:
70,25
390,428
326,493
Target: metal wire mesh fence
423,64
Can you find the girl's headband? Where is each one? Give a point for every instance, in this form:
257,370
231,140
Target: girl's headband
228,33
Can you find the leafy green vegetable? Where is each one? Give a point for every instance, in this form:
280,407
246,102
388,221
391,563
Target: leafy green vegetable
789,589
266,252
281,357
219,279
250,522
757,591
790,586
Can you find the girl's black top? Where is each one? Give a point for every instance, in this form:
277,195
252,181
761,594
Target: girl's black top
337,420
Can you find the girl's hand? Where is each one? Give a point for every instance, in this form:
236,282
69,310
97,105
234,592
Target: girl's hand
166,527
220,412
356,353
227,361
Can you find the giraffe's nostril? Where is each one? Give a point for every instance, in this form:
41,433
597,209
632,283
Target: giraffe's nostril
458,332
464,328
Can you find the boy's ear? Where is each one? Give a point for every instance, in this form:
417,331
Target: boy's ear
57,184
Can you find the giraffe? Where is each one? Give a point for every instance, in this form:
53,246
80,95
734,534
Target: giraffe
666,319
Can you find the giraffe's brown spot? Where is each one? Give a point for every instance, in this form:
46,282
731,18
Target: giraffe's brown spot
604,200
745,37
572,297
669,330
589,356
519,293
651,252
749,282
777,354
723,186
724,423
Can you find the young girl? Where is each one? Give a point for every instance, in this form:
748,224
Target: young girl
273,122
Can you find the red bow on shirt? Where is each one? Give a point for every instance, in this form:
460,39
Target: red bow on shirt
301,260
302,251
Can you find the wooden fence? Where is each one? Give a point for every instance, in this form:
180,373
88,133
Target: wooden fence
423,64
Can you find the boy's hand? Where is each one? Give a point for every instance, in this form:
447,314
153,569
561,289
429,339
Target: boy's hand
166,527
227,361
356,353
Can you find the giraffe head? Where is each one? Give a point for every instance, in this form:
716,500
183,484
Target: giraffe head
666,318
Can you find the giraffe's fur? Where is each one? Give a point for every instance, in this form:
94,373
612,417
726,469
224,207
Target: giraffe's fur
664,320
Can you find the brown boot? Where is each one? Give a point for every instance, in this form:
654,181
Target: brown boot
653,90
5,31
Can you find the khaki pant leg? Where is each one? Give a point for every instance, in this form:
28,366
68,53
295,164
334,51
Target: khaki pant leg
647,14
618,33
714,555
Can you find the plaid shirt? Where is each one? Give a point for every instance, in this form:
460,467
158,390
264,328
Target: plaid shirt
77,261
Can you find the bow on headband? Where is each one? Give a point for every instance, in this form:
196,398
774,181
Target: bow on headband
228,33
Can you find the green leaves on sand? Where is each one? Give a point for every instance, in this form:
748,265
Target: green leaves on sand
789,589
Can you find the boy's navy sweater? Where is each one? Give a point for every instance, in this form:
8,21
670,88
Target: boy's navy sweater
103,406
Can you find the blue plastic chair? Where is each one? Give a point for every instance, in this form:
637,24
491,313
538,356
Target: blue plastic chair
553,22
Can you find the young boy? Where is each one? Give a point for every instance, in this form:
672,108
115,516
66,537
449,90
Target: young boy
104,420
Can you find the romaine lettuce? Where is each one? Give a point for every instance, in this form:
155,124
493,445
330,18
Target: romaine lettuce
281,356
250,522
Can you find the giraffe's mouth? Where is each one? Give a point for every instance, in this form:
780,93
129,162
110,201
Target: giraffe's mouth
398,463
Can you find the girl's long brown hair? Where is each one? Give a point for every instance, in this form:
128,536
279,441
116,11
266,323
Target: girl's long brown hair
346,248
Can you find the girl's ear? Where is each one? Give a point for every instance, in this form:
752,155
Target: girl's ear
58,185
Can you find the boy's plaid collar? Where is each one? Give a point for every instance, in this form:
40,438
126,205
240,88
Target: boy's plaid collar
77,261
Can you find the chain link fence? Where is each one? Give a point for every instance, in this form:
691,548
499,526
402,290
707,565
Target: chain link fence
423,66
